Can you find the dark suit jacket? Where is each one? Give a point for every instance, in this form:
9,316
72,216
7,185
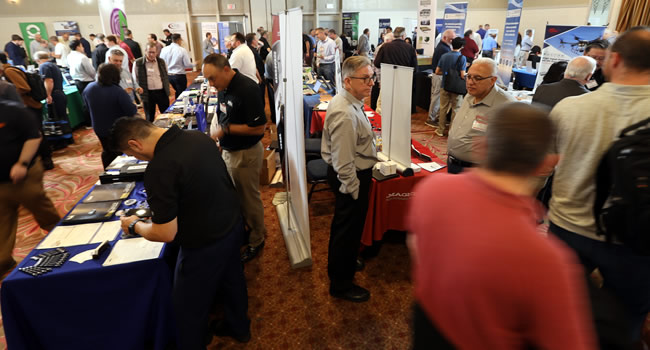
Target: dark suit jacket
551,94
397,52
134,46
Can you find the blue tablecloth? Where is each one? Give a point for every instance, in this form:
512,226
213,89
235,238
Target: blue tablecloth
87,306
525,78
308,104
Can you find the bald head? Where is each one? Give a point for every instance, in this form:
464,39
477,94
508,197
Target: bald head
448,35
580,69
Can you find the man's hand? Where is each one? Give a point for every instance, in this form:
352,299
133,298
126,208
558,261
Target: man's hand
129,90
220,132
126,221
17,173
140,90
49,100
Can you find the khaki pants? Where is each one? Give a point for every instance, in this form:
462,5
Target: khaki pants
30,194
448,102
434,105
244,167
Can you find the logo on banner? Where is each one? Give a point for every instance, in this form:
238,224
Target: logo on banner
404,196
174,26
32,30
117,21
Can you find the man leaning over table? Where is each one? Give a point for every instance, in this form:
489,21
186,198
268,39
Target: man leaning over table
348,147
194,204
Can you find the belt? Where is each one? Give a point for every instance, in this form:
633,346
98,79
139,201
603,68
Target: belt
453,160
323,63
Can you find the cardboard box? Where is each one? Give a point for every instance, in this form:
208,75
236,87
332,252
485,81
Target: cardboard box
268,167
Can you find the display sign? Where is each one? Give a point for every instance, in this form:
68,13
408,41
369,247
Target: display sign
454,17
426,34
29,31
351,26
70,27
178,28
509,43
562,43
223,28
113,17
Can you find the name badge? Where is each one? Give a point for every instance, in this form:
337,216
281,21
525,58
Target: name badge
150,70
480,124
222,107
591,84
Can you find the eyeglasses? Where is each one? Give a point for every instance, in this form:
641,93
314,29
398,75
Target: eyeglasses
366,80
476,78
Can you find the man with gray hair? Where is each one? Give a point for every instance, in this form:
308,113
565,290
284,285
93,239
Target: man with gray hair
348,148
397,52
577,74
527,43
436,80
471,120
127,82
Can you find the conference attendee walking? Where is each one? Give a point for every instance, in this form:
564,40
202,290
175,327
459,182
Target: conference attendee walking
363,45
450,63
84,43
150,73
207,45
489,45
243,59
16,51
239,128
168,37
436,80
152,38
470,49
194,204
471,121
61,49
21,178
177,60
587,126
107,102
348,148
99,55
252,43
112,44
127,82
53,80
81,70
133,45
497,256
39,44
325,55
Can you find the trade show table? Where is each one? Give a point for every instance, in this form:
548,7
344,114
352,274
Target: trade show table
524,78
88,305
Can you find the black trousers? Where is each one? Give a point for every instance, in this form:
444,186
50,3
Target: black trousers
44,149
457,166
81,86
199,275
58,110
271,92
107,154
374,96
155,98
178,82
347,227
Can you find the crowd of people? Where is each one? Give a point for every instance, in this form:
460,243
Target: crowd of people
483,275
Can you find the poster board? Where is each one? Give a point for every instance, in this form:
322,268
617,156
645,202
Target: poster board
426,33
210,27
396,112
70,27
112,17
509,43
178,28
454,17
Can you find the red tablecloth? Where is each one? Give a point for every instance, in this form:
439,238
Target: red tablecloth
389,199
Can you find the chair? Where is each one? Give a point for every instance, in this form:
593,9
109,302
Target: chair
312,147
316,174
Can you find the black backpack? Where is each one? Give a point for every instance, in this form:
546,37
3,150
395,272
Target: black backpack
623,182
452,81
35,81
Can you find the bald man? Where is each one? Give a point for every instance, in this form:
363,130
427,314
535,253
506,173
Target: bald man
577,74
436,80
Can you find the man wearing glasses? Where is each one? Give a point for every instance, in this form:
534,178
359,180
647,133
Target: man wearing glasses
348,147
471,120
597,50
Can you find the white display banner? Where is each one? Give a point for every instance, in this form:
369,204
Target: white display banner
112,17
396,92
295,224
337,71
180,28
426,32
210,27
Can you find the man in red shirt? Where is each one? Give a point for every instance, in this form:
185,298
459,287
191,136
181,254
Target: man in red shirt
470,49
484,277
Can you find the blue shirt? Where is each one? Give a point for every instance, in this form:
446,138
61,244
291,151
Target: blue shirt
50,70
448,61
177,59
16,54
440,50
106,104
489,44
481,32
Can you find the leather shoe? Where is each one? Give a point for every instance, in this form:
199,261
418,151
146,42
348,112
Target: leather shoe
360,264
220,329
355,294
251,252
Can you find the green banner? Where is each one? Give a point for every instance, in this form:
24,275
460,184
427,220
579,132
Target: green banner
30,30
351,25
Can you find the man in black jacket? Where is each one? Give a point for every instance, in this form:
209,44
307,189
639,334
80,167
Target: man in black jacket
400,53
577,74
99,55
132,44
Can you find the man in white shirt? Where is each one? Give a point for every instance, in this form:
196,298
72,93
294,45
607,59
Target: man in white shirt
242,58
337,41
81,67
325,53
527,43
177,60
111,43
61,51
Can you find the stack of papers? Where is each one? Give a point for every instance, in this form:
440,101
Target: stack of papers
133,249
322,106
71,235
431,167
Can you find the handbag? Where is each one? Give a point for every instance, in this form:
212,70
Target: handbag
452,82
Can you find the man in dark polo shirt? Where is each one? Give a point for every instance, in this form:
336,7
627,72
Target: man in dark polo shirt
194,204
239,129
53,81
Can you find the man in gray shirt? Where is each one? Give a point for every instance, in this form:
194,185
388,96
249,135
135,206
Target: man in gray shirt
363,46
586,127
348,147
471,120
39,45
207,45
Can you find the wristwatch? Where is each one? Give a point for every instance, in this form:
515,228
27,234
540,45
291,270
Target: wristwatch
25,164
132,226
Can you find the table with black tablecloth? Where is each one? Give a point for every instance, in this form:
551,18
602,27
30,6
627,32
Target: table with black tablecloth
88,306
